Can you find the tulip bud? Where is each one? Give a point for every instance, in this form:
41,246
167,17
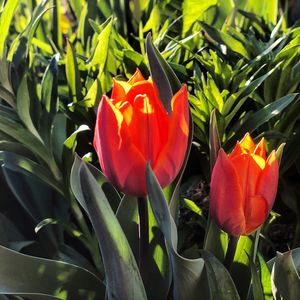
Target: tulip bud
243,187
133,128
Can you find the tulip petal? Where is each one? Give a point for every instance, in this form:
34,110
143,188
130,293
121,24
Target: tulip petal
146,127
144,87
268,181
172,154
119,89
249,169
136,77
237,151
120,160
247,143
226,197
256,212
261,149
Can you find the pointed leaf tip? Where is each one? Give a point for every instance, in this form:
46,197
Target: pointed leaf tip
162,74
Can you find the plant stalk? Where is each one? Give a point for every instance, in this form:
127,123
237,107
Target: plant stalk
233,241
143,234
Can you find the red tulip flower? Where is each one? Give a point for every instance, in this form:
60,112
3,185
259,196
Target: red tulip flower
133,128
243,187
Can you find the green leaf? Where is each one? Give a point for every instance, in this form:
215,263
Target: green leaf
214,139
49,87
24,165
123,279
262,116
186,272
220,283
264,8
235,102
285,278
100,54
225,39
157,260
24,39
163,76
5,20
216,240
240,270
7,96
23,108
73,76
56,24
23,136
39,278
256,283
193,10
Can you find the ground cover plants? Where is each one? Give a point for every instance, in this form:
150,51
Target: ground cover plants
149,149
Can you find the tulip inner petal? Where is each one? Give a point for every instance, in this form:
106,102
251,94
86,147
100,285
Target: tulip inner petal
260,161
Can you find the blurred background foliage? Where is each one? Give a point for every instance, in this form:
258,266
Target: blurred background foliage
57,58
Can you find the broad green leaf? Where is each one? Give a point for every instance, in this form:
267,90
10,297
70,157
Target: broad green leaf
39,278
76,7
5,20
157,263
100,54
220,283
72,72
193,10
93,95
8,96
285,278
164,77
264,8
225,39
49,87
240,270
123,279
23,108
20,134
22,164
24,39
186,272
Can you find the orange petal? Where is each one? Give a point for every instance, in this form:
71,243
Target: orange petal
146,127
226,197
248,171
120,160
173,152
247,143
268,181
119,91
256,212
142,88
136,77
237,150
261,149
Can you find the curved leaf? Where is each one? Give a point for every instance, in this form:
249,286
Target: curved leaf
220,283
285,278
164,77
186,272
123,279
39,278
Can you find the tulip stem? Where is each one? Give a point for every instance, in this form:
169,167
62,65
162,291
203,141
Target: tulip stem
143,234
233,241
